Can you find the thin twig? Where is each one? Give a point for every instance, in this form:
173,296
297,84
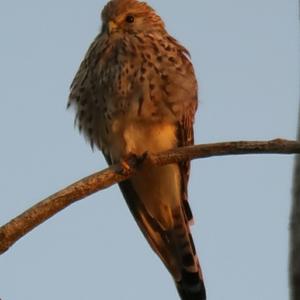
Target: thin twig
34,216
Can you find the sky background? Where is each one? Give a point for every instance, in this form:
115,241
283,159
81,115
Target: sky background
246,57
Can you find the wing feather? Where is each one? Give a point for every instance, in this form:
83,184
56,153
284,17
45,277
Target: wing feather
157,237
185,137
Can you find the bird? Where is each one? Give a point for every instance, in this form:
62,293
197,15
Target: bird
136,92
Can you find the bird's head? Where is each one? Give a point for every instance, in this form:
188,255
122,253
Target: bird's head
130,16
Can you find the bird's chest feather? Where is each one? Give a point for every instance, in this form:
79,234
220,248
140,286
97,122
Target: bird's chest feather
138,79
136,112
144,95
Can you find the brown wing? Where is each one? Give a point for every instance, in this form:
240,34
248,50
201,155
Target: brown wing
182,97
157,237
86,95
185,136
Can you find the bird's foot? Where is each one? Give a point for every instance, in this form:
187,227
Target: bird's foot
130,163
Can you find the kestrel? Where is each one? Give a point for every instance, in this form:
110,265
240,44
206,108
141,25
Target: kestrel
136,92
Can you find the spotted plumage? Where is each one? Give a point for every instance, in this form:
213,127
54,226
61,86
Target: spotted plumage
134,92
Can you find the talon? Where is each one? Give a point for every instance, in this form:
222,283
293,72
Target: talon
131,161
125,165
144,155
123,168
137,160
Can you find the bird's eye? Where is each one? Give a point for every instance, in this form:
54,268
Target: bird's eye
130,19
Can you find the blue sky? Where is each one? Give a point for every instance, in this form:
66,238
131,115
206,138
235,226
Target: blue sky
246,58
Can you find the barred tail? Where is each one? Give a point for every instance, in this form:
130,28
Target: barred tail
191,286
190,283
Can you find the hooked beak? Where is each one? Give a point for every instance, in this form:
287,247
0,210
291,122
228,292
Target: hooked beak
112,26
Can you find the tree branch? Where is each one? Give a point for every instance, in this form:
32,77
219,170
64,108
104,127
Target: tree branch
34,216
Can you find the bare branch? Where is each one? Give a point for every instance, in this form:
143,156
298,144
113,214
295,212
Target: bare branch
22,224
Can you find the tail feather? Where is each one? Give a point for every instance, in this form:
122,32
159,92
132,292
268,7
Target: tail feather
191,286
175,246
